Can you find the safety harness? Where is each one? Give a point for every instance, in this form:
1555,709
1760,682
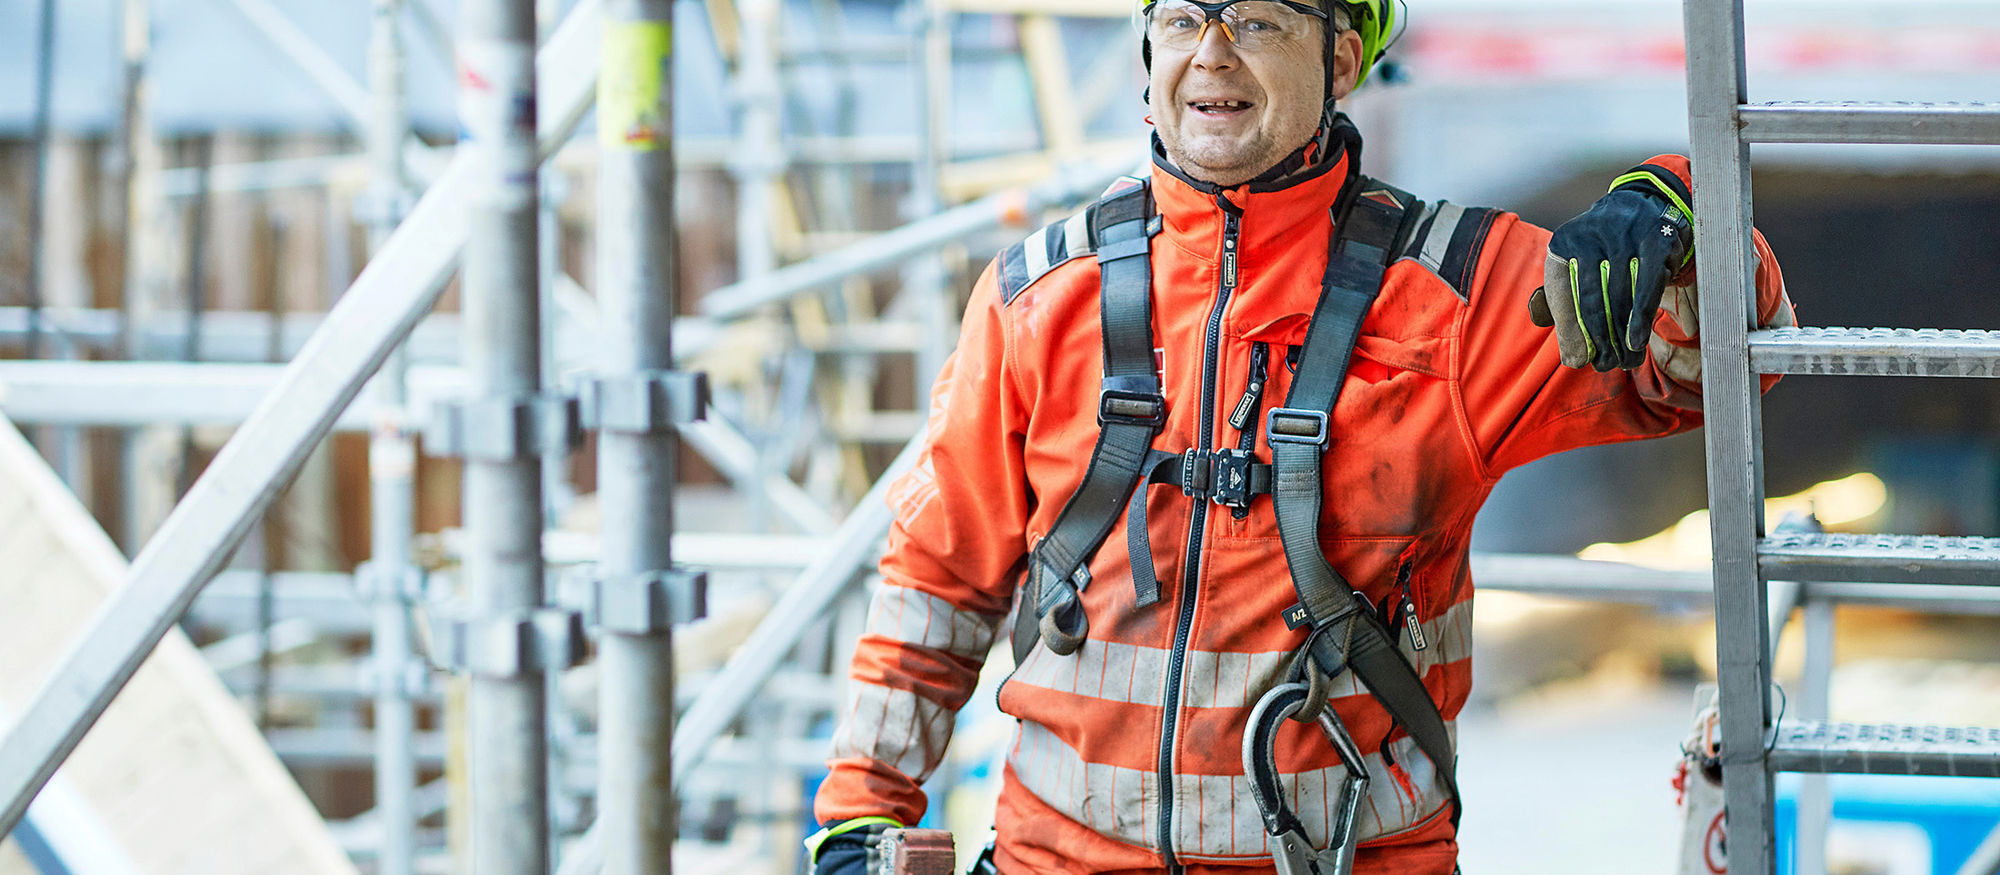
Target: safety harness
1372,225
1130,412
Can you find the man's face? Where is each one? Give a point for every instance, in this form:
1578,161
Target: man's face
1227,112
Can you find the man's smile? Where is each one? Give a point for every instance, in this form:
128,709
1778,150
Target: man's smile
1220,109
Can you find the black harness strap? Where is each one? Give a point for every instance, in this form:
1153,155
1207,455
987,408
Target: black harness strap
1346,633
1130,412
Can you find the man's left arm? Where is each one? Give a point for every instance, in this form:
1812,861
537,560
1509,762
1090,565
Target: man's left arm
1591,335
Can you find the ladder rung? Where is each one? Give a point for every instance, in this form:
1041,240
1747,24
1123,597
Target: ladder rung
1888,123
1876,352
1887,749
1880,559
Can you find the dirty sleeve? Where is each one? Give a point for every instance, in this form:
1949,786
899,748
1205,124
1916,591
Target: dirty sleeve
947,577
1517,400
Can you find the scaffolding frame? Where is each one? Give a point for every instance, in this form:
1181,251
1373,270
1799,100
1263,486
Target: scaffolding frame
298,404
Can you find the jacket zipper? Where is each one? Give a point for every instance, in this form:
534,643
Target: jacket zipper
1244,417
1170,715
1406,608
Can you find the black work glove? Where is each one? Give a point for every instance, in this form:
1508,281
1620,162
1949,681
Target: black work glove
842,855
1608,268
839,849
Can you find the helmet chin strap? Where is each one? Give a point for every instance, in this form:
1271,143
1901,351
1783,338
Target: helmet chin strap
1323,138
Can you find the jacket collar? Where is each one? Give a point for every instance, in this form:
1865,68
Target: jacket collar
1272,209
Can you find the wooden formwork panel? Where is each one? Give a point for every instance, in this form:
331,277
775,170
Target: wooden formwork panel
175,772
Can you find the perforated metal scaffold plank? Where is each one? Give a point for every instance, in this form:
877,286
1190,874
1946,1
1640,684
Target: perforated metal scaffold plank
1876,352
1970,124
1880,559
1887,749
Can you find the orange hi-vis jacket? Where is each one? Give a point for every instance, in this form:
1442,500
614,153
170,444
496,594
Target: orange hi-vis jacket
1128,755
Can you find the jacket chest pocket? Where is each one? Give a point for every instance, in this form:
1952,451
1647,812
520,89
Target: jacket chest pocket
1391,463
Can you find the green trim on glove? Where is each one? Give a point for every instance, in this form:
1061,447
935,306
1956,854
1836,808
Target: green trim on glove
1590,348
1650,179
814,841
1653,183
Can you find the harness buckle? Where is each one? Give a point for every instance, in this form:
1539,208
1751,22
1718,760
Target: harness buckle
1127,407
1229,478
1221,476
1293,425
1194,474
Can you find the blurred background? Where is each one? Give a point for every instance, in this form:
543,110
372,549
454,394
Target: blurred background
184,192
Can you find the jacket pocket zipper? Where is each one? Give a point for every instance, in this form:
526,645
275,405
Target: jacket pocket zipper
1407,607
1244,417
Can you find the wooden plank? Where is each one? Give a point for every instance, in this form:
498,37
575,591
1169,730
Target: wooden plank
175,770
1048,67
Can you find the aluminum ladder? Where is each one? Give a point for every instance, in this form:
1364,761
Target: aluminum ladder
1723,124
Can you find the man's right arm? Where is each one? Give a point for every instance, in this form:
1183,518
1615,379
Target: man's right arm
948,576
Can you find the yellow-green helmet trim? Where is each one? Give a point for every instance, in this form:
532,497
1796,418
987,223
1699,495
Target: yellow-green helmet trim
1374,20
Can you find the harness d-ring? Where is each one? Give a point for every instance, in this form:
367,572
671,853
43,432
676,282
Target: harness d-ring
1293,853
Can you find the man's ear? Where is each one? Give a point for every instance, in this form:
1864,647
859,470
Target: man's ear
1346,63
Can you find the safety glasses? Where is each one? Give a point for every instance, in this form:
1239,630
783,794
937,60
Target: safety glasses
1252,25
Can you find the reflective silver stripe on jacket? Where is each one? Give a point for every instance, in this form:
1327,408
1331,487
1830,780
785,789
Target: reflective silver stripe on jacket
1131,673
1444,223
897,727
913,616
1216,815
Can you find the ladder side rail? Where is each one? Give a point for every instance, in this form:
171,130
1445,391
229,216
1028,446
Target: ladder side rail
1731,404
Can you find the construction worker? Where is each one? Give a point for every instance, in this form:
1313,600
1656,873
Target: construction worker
1217,441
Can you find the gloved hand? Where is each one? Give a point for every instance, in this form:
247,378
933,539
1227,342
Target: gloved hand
1609,267
842,847
842,855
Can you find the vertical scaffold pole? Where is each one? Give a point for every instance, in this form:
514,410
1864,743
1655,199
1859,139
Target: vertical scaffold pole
390,574
139,161
502,499
635,482
45,65
926,278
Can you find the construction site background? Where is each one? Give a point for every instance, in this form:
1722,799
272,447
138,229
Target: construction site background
802,131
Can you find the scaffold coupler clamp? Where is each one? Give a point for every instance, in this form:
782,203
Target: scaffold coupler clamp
647,402
1292,852
646,603
515,643
503,429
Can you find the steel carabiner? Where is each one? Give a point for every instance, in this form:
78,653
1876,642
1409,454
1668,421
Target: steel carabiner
1293,853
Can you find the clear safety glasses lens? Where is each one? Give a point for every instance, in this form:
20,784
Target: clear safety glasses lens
1251,24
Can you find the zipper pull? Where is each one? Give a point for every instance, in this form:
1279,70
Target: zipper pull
1246,407
1408,608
